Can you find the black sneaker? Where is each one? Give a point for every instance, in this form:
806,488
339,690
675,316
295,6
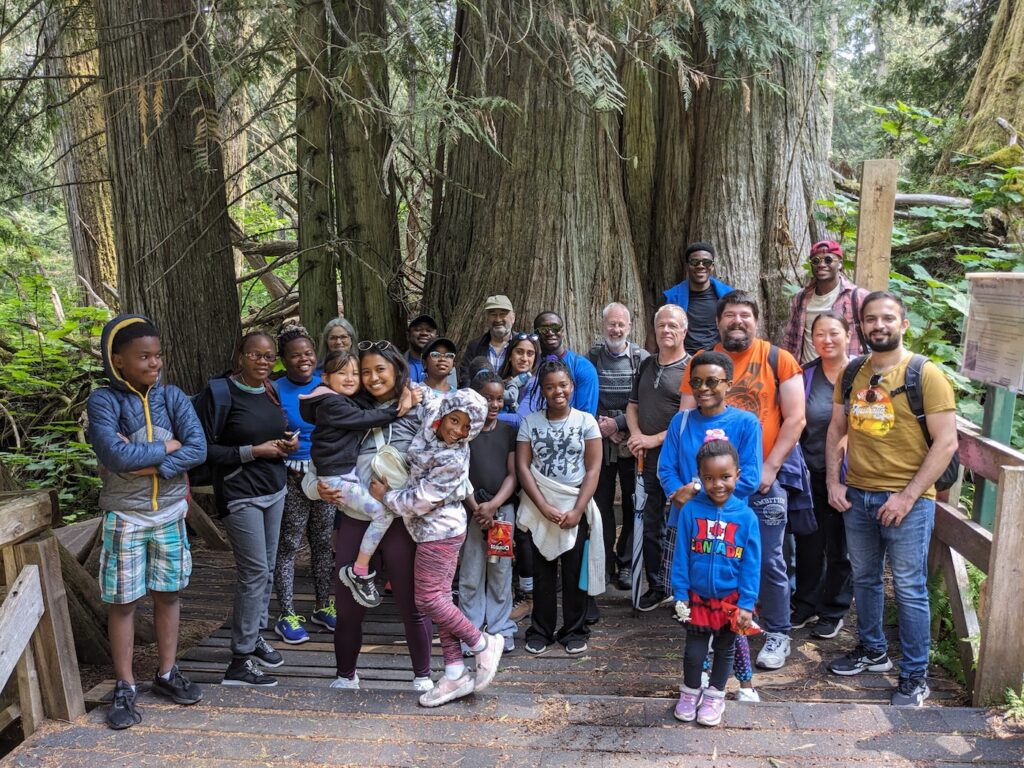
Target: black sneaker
860,660
265,654
910,692
243,671
624,579
363,588
575,647
122,713
535,646
800,619
826,628
651,599
178,688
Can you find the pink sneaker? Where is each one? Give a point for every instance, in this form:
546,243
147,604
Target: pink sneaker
487,660
447,690
712,706
686,709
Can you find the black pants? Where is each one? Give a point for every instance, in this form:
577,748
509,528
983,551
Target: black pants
522,566
696,652
574,599
625,470
654,522
823,582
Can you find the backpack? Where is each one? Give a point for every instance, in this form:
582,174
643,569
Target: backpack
220,393
915,399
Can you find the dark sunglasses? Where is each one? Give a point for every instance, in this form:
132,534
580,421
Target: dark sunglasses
874,393
710,382
380,346
517,337
706,263
826,260
553,328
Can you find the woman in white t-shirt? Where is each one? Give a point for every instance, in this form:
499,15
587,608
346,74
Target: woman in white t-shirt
561,445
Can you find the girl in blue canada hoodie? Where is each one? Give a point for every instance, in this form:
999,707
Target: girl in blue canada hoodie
715,570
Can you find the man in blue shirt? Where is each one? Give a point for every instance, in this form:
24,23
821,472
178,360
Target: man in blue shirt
550,332
698,295
422,330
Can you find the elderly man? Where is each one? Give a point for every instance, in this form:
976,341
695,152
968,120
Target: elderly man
653,402
698,295
617,361
493,345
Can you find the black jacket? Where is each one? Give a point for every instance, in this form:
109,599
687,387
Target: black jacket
474,349
339,425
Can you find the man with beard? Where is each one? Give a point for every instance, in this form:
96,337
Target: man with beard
698,295
888,495
493,344
652,404
828,290
422,330
768,382
550,332
617,361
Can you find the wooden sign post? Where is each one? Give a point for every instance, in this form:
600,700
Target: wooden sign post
874,226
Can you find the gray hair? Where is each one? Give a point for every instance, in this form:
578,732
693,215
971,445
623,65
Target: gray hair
673,308
616,305
332,324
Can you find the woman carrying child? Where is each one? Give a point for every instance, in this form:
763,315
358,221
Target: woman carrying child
715,577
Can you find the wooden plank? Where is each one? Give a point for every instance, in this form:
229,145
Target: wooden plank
965,618
19,615
957,531
874,228
23,515
1001,661
203,524
30,699
53,643
8,716
985,456
79,538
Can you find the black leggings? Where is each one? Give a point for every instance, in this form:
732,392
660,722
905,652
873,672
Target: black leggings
697,651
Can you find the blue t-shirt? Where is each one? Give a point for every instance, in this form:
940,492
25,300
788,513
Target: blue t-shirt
289,393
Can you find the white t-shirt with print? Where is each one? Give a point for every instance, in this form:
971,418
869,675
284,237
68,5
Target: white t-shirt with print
559,445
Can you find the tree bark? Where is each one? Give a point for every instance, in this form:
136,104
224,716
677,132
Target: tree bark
318,283
80,138
170,212
364,182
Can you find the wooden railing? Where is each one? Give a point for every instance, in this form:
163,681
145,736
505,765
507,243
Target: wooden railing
36,641
992,646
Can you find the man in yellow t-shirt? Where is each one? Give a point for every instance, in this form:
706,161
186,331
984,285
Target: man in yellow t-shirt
888,495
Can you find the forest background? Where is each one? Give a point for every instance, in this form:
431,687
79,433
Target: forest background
223,165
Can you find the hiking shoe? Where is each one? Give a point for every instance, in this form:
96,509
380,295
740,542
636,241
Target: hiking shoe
860,660
265,654
689,700
177,688
535,646
487,661
510,644
522,607
122,713
289,628
826,628
800,619
364,589
712,706
244,672
326,617
346,684
624,579
422,684
747,694
447,690
576,647
652,598
775,651
910,692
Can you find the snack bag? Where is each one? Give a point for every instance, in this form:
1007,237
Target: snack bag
499,540
733,613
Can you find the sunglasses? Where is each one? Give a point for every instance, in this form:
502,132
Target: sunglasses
517,337
826,260
257,356
553,328
874,393
710,382
435,355
706,263
380,346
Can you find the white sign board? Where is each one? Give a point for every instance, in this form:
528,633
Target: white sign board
994,333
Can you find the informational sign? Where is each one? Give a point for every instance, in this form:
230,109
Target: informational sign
994,332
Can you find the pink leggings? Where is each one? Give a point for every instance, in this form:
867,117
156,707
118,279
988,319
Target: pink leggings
434,571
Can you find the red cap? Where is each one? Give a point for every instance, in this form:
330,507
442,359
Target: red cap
826,246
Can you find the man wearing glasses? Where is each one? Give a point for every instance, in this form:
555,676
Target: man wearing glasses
499,317
550,332
698,295
828,290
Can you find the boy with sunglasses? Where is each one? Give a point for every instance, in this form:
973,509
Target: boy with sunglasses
828,290
698,295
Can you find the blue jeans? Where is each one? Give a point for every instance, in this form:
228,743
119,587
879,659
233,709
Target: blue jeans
773,600
869,542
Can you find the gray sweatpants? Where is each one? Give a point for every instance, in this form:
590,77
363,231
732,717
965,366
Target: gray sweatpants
485,589
253,527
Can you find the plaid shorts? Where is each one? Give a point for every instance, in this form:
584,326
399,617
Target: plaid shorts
138,558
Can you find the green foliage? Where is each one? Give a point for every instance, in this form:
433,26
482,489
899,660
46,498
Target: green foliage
1014,705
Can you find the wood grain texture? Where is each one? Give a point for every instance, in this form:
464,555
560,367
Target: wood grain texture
874,228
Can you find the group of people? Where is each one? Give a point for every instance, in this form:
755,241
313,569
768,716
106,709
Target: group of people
499,466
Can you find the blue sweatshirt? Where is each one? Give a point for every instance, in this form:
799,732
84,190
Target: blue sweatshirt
718,551
289,391
679,293
677,465
584,382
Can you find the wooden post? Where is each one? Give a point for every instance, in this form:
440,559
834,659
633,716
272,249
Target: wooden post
874,227
29,698
997,423
203,524
1001,661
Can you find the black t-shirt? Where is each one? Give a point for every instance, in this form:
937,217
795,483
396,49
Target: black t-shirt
488,457
702,320
819,414
656,393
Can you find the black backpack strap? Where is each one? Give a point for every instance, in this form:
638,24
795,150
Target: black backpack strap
912,383
849,374
220,392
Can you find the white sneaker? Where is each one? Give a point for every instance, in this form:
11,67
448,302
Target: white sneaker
422,684
487,661
775,651
748,694
447,690
344,684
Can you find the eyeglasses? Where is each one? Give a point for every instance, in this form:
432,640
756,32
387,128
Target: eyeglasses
826,260
710,382
257,356
874,393
517,337
553,328
706,263
379,346
442,355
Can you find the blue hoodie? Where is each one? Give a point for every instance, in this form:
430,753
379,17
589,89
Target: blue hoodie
718,551
147,419
680,292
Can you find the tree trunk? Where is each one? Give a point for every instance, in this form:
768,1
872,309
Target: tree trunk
80,139
364,183
998,87
542,219
170,212
318,283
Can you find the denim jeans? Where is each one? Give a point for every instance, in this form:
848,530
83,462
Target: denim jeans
869,542
773,600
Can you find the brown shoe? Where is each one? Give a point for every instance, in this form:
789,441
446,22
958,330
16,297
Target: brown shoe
522,607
